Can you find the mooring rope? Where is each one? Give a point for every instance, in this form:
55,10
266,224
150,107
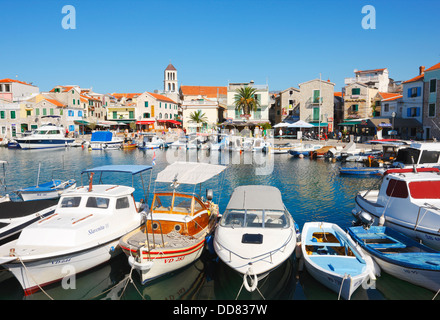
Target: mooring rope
30,274
342,283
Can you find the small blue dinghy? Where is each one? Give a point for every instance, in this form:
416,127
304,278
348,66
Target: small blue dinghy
400,256
361,171
333,259
48,190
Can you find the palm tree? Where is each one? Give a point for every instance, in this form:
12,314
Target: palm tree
245,100
198,117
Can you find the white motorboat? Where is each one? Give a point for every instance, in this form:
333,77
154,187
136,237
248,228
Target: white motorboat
254,144
82,233
45,137
221,143
408,201
235,143
421,154
105,140
256,234
176,228
151,141
305,149
333,259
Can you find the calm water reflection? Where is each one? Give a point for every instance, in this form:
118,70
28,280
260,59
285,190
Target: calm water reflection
312,191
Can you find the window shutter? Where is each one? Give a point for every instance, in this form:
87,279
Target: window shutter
419,91
417,111
409,93
408,112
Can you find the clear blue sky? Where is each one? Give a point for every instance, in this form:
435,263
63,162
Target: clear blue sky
124,46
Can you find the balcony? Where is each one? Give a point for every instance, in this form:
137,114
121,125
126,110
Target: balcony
362,79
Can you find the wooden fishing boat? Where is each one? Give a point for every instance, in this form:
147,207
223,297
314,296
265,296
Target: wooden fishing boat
400,256
175,231
333,259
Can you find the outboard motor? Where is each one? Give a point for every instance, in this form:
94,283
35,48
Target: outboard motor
363,219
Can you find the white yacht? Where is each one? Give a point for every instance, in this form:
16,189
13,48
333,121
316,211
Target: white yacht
45,137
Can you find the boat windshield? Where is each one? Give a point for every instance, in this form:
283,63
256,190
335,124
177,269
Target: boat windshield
179,203
255,219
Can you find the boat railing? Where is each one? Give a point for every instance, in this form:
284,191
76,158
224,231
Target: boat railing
263,255
426,206
152,232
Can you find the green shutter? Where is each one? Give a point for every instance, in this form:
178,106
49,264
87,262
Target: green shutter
146,104
316,96
316,114
131,114
2,114
356,91
12,114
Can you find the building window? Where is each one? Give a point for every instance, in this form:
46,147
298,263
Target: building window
431,110
51,111
131,114
12,114
44,111
160,115
316,95
37,112
146,104
433,85
356,91
115,115
413,112
2,114
414,92
28,113
1,88
386,107
146,115
7,88
354,107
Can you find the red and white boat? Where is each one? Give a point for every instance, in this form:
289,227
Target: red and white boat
408,201
175,231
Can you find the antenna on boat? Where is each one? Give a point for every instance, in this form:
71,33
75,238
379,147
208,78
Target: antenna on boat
174,184
414,165
91,181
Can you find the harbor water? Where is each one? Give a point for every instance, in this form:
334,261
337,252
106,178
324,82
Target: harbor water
312,190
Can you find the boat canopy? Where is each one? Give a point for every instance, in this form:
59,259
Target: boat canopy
189,172
133,169
101,136
255,197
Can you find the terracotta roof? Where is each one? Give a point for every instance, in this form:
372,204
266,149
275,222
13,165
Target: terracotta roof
55,102
372,70
161,97
7,80
64,88
387,96
419,77
170,67
204,91
125,95
338,94
434,67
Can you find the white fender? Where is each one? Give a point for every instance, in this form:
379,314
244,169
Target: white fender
251,274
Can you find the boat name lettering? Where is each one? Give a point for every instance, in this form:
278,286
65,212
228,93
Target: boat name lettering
92,231
61,261
169,260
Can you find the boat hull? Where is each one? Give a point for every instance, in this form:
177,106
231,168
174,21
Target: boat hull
43,143
341,273
429,238
38,273
163,261
43,193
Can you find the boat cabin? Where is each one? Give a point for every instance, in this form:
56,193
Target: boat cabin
420,154
404,183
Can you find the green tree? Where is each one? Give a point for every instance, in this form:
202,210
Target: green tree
198,117
245,100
